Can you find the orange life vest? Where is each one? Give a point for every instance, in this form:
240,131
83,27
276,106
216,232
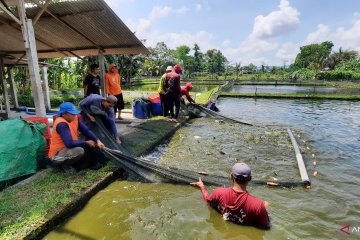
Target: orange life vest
56,141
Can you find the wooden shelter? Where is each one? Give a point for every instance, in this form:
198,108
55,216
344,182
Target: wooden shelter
32,29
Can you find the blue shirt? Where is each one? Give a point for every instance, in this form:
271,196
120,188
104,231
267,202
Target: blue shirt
96,100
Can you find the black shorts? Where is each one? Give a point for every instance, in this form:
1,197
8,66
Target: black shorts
120,102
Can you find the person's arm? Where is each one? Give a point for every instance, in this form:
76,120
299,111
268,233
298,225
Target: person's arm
85,84
263,220
87,132
204,192
111,122
65,134
84,106
188,97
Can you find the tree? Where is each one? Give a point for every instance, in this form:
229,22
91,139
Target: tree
338,58
313,55
215,61
198,58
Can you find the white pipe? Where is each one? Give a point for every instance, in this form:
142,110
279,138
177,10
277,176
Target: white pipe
302,169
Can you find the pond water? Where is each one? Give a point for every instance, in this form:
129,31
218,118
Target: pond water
291,89
328,133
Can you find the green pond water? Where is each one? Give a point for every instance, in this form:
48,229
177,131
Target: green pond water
328,133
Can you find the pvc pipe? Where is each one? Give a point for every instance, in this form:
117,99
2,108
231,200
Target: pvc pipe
302,169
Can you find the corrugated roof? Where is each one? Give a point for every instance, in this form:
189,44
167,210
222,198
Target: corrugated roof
67,28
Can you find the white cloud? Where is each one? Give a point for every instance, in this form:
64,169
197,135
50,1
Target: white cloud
349,38
276,23
320,35
198,7
182,10
173,40
158,12
287,52
225,43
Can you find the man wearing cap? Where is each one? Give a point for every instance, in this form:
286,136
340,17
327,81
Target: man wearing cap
103,107
235,203
173,93
162,91
65,147
185,90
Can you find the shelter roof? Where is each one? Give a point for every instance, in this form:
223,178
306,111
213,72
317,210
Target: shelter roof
68,28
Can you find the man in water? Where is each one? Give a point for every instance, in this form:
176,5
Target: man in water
235,203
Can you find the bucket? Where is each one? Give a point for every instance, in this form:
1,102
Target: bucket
156,109
141,108
47,133
154,98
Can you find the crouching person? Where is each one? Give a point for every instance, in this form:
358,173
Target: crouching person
66,150
102,107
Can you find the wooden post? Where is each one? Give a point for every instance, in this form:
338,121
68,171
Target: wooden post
45,83
31,54
5,93
13,88
102,72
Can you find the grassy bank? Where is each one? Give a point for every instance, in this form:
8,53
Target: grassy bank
26,207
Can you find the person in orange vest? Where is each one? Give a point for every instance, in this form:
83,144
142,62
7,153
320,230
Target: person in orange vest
113,87
66,148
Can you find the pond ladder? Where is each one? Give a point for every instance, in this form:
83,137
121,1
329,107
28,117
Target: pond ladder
302,169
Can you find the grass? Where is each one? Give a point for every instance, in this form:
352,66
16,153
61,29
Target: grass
24,207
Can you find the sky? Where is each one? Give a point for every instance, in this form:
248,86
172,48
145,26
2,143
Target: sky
262,32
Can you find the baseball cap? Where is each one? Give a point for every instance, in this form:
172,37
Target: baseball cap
111,99
169,68
68,107
177,69
241,171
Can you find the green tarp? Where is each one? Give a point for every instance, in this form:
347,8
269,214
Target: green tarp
22,147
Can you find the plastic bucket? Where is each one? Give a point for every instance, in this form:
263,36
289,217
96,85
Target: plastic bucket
156,109
141,108
154,98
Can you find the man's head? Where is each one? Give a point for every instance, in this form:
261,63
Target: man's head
241,173
169,69
95,69
109,102
189,86
177,68
113,68
68,111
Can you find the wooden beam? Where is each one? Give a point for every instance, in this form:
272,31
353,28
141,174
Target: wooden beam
33,64
4,90
13,87
3,7
102,73
46,87
38,15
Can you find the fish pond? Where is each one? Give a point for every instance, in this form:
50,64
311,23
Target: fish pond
328,133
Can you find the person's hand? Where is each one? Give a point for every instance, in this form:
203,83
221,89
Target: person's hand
118,141
266,204
91,118
99,144
90,143
198,184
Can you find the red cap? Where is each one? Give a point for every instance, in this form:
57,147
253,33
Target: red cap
188,85
177,69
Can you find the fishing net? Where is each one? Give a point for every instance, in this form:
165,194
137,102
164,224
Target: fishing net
148,171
